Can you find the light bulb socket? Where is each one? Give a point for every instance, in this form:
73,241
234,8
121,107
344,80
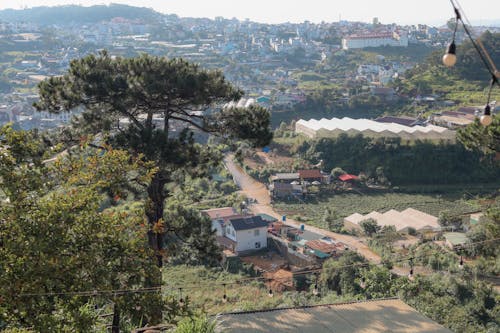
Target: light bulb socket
487,110
452,48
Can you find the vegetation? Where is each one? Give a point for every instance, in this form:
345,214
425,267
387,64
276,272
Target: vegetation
403,164
110,88
350,203
58,245
77,14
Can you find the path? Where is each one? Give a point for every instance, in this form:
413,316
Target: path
254,189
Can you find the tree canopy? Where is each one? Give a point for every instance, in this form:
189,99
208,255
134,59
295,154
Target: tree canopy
58,244
152,106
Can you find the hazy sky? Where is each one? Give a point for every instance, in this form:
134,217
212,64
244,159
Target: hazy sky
276,11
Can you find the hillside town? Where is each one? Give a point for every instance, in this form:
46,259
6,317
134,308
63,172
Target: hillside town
161,173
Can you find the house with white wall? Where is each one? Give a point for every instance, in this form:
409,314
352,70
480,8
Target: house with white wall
248,233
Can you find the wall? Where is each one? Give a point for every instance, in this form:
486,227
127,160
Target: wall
246,239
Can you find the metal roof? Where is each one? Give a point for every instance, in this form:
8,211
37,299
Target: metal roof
250,222
376,316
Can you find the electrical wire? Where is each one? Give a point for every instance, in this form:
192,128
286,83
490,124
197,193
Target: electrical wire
155,289
460,14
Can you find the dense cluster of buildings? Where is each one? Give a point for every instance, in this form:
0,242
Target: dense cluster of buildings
259,58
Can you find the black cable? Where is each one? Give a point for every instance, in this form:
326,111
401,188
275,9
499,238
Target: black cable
485,62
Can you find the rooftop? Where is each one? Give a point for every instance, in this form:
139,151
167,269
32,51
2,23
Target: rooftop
387,315
456,238
314,173
250,222
407,218
217,213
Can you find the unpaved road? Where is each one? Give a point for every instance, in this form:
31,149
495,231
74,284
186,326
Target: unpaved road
254,189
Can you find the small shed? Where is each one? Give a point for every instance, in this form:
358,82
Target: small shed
455,240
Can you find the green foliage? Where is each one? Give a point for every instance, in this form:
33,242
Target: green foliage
370,227
198,324
56,240
481,138
350,203
77,14
418,163
110,89
340,275
332,220
450,220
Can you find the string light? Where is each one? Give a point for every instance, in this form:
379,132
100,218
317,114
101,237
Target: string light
363,283
118,292
410,275
449,59
224,297
316,289
181,300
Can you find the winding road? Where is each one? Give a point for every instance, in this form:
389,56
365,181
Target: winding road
256,190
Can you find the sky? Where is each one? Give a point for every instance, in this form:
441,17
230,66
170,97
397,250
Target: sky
433,12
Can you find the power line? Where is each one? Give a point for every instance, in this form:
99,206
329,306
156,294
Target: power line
155,289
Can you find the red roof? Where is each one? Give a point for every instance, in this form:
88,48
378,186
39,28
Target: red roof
346,177
307,174
220,213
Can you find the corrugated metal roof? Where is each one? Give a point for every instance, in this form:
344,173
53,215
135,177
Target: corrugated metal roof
401,220
370,127
250,222
377,316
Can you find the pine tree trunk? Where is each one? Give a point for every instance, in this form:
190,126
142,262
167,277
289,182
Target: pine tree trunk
154,212
115,328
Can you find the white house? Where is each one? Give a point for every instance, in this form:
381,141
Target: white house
246,233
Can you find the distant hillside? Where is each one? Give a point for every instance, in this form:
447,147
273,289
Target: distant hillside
73,14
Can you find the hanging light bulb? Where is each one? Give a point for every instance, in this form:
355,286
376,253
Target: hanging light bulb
224,297
270,293
461,263
450,57
486,118
410,275
363,283
181,300
316,290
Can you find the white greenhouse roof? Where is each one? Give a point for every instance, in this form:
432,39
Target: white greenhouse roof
368,126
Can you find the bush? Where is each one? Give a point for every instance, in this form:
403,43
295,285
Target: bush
201,324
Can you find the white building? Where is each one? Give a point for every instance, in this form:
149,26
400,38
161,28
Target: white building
370,128
360,41
247,233
402,221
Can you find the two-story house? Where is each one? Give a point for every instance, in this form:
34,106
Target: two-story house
248,233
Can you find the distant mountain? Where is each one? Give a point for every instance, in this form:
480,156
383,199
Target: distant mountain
73,14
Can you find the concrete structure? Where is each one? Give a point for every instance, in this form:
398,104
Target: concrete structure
248,233
402,221
369,128
360,41
375,316
219,217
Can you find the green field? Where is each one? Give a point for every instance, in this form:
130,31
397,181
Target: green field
347,204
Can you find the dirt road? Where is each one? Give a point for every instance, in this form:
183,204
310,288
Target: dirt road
256,190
